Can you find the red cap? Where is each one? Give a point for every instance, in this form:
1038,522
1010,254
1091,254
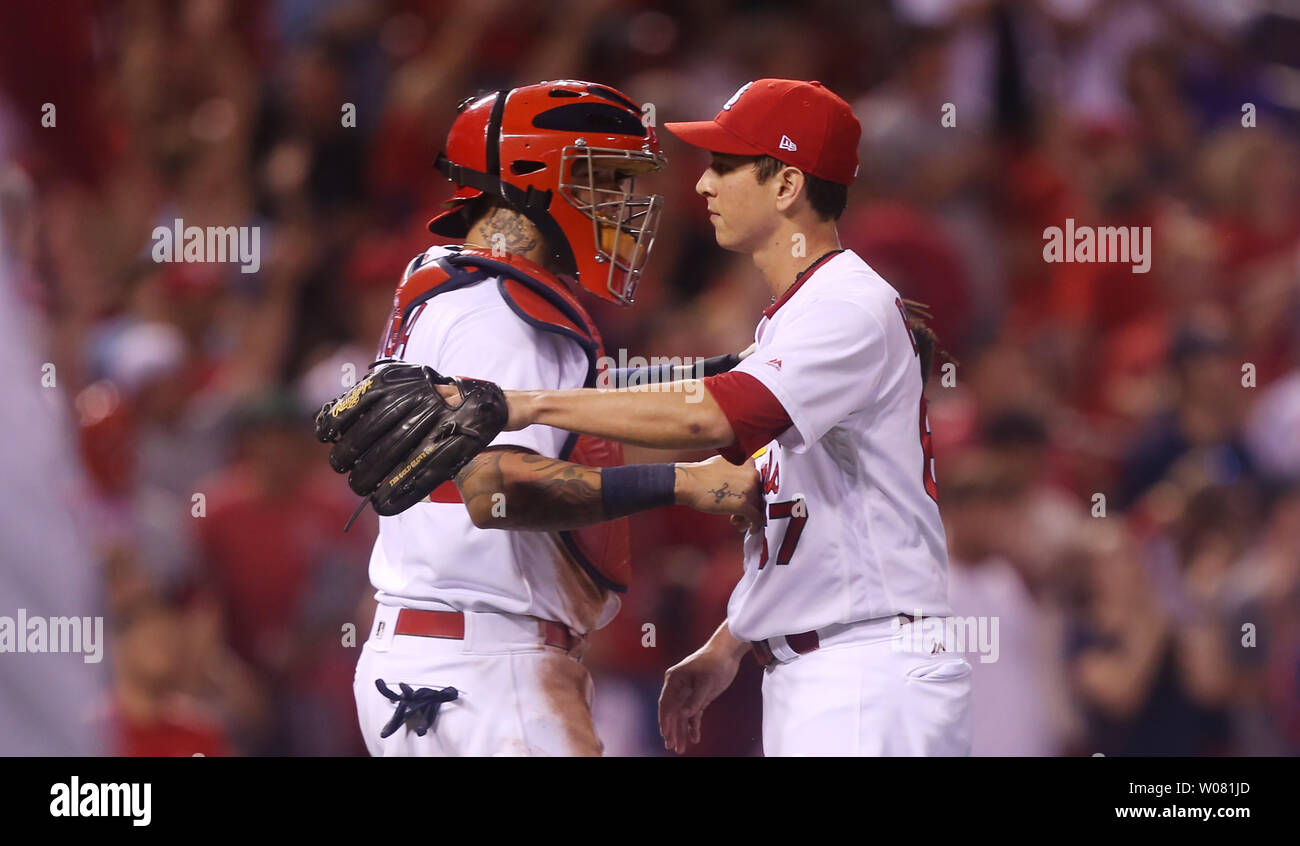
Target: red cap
803,124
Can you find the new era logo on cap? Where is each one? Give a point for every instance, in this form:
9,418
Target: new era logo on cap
828,132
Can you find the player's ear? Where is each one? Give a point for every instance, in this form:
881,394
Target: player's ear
789,183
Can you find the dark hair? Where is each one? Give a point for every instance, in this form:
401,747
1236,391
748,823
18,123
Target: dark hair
479,208
927,342
828,199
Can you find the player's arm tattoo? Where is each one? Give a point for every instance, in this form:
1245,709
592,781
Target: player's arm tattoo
513,489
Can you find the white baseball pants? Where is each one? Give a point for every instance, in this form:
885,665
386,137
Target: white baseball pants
868,690
515,696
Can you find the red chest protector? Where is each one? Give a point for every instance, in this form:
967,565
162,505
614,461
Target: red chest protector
543,302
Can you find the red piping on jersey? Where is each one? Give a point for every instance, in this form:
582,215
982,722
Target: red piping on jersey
798,282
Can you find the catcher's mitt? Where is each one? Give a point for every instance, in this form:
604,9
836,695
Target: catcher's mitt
399,438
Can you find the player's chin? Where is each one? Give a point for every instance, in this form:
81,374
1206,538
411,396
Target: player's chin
724,238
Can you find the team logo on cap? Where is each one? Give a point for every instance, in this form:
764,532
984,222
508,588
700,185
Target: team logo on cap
787,144
726,107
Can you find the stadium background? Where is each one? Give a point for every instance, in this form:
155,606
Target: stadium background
1118,634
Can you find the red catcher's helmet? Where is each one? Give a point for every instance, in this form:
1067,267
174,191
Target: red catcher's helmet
564,154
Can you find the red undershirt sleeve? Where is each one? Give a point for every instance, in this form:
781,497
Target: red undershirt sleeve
755,415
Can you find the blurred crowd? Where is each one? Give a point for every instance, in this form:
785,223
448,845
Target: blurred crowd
1118,453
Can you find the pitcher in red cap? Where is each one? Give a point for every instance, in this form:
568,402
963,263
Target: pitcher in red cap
844,597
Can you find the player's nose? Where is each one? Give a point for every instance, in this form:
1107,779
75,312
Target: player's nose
704,187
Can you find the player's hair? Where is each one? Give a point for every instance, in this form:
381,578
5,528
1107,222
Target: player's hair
828,199
927,342
479,208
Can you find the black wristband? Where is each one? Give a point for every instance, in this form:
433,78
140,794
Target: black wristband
637,487
718,364
631,377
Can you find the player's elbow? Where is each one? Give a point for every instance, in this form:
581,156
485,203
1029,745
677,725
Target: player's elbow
502,496
486,506
707,427
480,486
484,513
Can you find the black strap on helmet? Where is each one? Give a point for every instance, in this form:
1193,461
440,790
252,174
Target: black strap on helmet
489,181
494,134
531,203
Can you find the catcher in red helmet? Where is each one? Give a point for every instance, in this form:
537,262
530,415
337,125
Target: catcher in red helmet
565,156
477,636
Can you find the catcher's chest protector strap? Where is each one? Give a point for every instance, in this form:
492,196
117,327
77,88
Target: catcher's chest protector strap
543,302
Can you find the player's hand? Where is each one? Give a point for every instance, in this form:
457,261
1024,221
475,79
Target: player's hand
716,486
450,393
689,688
515,402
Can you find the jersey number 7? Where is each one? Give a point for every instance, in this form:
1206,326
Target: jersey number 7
796,511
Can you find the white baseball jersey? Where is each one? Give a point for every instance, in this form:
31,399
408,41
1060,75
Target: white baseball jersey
853,529
432,556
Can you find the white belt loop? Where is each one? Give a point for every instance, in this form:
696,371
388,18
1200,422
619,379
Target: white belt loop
381,628
781,650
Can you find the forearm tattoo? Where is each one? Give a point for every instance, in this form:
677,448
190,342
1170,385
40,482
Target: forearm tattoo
549,495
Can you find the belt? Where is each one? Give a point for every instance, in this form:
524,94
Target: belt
451,624
801,643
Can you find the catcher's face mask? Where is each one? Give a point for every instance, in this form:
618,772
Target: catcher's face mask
601,185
